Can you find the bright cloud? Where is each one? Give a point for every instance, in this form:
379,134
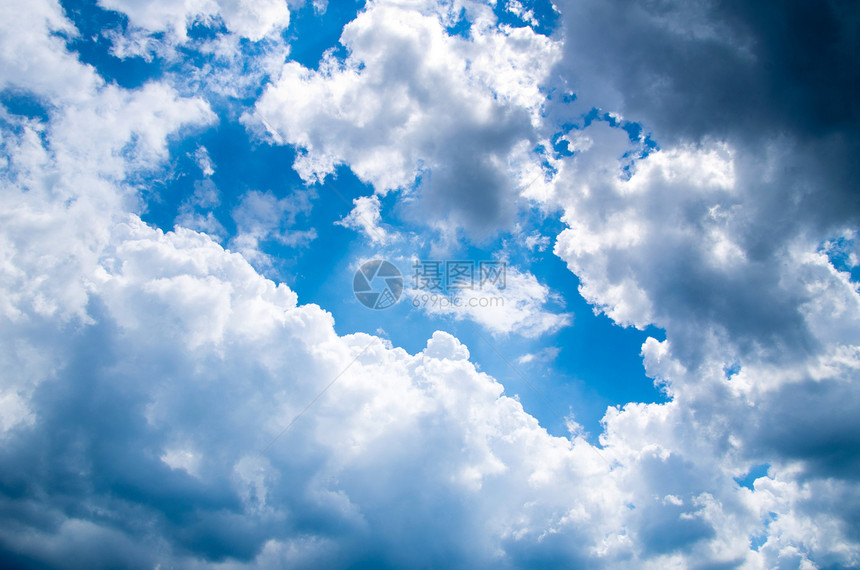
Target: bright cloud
365,216
252,20
413,104
164,403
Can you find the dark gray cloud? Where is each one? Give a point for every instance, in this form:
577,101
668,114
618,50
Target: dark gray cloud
778,83
695,69
816,422
748,72
763,95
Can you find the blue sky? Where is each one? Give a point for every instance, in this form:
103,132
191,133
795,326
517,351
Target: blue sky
667,379
600,365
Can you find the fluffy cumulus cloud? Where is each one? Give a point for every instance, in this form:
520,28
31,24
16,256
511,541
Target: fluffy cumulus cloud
34,56
149,380
720,237
412,107
163,416
149,426
776,84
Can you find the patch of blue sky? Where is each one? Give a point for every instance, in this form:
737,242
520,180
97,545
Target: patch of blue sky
841,253
732,369
548,169
240,164
598,361
561,146
760,538
312,33
581,368
755,472
19,107
462,27
24,104
93,44
556,93
644,145
540,15
635,131
101,30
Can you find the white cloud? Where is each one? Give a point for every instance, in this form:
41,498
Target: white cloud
699,240
224,67
245,358
196,363
261,216
365,217
250,19
516,8
535,241
411,101
255,19
231,69
196,211
544,355
93,148
520,306
204,161
147,371
34,55
73,167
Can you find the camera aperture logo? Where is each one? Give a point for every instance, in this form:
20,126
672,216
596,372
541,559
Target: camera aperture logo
377,284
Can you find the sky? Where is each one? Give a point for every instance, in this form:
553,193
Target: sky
644,346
